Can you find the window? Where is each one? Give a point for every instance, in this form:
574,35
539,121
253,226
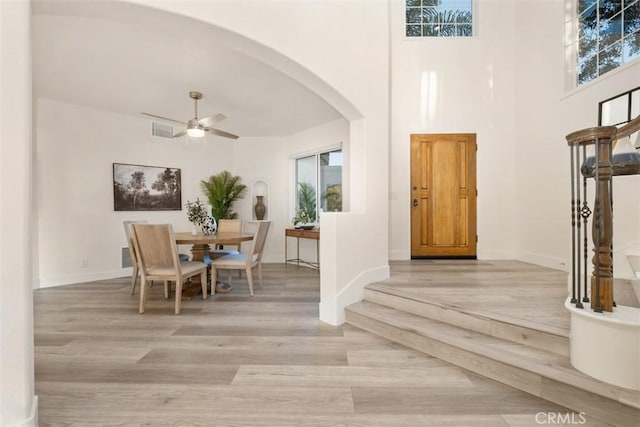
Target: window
608,36
439,18
620,109
318,184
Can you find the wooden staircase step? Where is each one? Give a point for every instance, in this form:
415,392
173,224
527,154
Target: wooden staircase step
519,331
541,373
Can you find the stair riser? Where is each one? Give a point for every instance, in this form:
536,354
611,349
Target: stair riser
514,333
609,411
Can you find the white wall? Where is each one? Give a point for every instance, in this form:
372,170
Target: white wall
18,405
464,85
546,113
76,147
265,159
543,156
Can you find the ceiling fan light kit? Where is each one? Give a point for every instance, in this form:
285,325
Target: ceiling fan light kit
195,133
197,128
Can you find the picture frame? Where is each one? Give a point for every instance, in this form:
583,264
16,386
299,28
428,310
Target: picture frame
146,188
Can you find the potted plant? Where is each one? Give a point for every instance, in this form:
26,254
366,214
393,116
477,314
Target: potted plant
301,220
223,190
306,212
199,217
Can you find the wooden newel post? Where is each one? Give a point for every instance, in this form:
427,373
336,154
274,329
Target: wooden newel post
602,229
602,226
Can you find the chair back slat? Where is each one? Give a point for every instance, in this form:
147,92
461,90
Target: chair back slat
229,226
129,233
128,227
260,238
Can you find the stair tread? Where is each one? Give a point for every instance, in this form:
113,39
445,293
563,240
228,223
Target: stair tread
537,361
389,288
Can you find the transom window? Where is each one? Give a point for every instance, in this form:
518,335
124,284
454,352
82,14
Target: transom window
439,18
319,184
608,36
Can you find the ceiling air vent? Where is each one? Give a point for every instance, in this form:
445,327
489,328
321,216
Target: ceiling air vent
161,130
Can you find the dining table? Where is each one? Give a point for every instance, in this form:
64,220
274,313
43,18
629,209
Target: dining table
201,250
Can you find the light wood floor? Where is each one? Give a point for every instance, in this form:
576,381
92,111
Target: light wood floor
233,360
526,294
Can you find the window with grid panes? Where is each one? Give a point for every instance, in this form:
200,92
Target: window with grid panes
608,36
439,18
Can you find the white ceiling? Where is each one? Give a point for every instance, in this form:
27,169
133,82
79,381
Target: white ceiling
131,66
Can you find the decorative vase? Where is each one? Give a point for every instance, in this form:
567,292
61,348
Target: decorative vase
259,208
209,226
194,229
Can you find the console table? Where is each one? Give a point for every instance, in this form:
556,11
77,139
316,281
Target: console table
299,233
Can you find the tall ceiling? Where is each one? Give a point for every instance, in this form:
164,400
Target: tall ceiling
128,66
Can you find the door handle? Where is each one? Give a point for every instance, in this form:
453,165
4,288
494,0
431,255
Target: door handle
415,202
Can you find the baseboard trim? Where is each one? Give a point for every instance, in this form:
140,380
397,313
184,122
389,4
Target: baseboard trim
399,255
544,260
484,254
32,421
52,281
332,310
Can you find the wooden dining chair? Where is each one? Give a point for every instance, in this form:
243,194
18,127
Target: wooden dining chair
227,226
157,252
134,256
132,252
246,262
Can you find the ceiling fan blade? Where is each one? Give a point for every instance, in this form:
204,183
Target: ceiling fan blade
211,120
164,118
179,134
221,133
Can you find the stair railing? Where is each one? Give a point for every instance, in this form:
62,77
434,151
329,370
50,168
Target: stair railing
602,169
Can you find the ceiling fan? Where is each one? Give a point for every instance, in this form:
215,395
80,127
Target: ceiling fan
195,127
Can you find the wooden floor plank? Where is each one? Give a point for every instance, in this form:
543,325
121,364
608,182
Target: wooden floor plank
471,401
83,371
308,356
392,357
349,376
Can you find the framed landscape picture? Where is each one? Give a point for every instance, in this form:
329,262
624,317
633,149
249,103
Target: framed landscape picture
146,188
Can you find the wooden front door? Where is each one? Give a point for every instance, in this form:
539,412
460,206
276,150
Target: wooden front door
443,195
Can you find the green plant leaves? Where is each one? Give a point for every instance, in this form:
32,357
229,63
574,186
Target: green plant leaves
223,190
